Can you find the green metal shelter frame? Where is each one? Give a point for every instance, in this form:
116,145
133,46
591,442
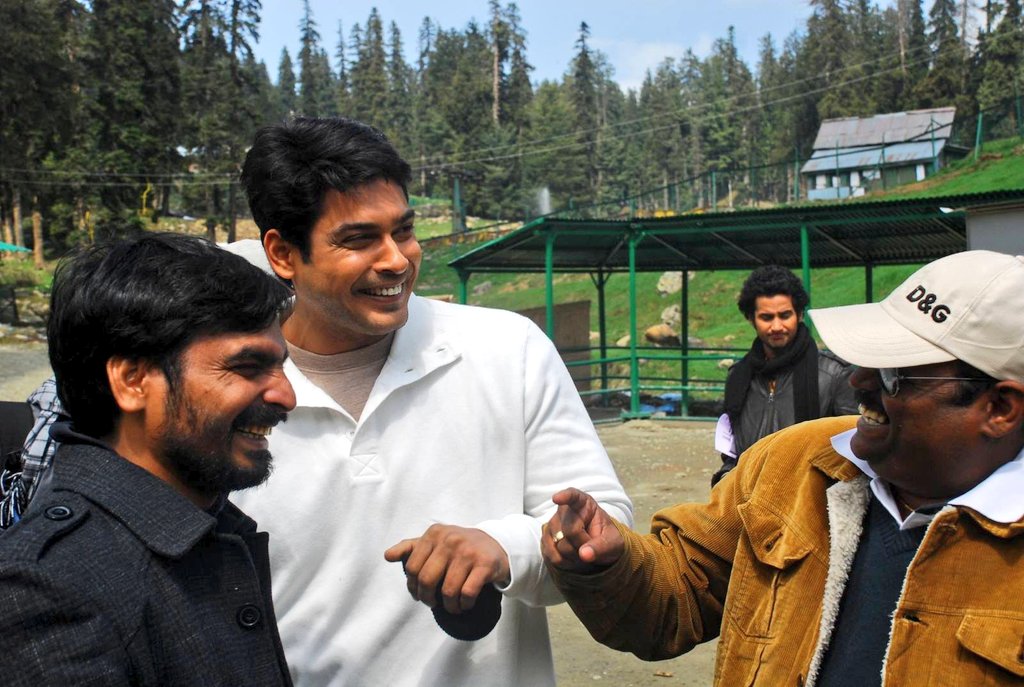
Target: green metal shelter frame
860,233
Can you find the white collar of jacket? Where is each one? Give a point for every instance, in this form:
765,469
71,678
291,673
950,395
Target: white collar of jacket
421,345
997,497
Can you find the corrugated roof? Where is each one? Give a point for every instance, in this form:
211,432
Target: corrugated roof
872,156
894,127
840,235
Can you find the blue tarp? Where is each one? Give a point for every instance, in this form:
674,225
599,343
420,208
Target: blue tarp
11,248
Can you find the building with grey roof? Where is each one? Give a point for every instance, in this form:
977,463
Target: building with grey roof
853,155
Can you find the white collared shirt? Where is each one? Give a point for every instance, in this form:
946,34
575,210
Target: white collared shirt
997,497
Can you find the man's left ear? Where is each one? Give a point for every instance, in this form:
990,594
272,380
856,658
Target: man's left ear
1005,409
131,382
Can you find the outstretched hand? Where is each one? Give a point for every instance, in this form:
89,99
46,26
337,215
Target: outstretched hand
465,559
580,537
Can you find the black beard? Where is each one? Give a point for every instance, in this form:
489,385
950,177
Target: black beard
211,473
197,450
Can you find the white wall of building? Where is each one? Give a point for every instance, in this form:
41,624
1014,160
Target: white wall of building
998,229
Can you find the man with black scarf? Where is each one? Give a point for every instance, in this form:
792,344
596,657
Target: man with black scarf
784,378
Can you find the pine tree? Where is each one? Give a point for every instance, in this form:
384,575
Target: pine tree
660,104
774,144
913,45
828,44
519,91
343,96
860,75
499,35
943,83
211,134
583,95
1003,50
552,171
310,73
369,73
36,108
287,102
399,94
130,63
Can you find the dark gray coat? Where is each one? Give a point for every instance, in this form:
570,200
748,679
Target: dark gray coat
114,578
765,412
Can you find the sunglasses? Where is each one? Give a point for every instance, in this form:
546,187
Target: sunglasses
891,378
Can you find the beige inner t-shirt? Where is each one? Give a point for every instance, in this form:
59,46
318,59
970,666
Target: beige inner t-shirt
346,377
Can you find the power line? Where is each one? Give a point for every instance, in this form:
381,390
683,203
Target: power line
209,179
697,109
676,113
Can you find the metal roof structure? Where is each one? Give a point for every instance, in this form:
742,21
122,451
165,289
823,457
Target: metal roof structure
847,234
885,129
857,233
841,159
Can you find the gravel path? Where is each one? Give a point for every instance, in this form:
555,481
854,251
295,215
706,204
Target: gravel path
659,462
23,367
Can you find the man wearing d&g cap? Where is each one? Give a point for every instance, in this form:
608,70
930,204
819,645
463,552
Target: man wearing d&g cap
880,550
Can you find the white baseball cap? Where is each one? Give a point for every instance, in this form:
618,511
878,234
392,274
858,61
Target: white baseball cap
967,306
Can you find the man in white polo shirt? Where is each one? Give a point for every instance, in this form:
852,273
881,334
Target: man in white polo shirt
430,433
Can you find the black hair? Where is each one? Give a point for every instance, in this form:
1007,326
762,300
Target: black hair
293,164
146,298
771,280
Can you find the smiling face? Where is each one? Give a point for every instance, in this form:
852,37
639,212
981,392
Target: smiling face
920,440
229,392
363,261
775,320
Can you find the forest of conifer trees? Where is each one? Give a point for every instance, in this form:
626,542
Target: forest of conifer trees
115,112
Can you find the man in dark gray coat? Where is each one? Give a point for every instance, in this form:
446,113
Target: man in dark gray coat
130,566
784,378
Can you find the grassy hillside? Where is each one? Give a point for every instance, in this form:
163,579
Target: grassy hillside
999,167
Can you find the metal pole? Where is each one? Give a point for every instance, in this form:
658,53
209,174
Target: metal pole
463,291
978,133
458,223
869,283
935,160
232,235
634,362
837,169
684,343
549,285
602,327
714,191
805,258
1020,125
881,162
796,174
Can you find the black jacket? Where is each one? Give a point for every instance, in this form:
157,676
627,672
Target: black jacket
114,578
765,412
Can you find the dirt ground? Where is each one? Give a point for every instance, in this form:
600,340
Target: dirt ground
658,462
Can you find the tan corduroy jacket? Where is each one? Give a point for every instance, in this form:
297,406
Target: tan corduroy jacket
765,562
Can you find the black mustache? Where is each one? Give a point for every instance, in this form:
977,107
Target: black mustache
865,397
260,415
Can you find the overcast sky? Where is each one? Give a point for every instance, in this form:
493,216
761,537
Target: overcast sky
635,35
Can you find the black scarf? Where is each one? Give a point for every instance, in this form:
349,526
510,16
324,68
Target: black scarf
801,355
